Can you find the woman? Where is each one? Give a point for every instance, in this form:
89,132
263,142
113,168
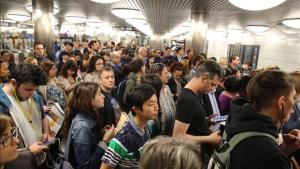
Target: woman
95,65
170,153
8,141
31,60
166,101
232,87
137,69
4,72
87,139
176,82
53,91
68,76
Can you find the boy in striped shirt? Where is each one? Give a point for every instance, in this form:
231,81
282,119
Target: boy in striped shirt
124,150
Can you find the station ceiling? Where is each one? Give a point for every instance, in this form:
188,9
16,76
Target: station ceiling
164,15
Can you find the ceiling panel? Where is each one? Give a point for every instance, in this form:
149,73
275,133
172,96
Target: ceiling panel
164,15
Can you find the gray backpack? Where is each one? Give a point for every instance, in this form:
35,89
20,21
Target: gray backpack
221,157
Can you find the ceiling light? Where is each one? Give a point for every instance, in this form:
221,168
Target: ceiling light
134,21
17,17
257,28
75,19
127,13
55,9
8,20
105,1
293,23
256,5
95,23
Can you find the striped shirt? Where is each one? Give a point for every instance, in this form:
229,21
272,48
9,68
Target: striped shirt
120,152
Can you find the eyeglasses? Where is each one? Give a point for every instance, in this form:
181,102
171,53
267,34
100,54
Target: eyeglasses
6,140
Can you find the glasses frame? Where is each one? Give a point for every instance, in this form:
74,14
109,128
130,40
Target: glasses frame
4,141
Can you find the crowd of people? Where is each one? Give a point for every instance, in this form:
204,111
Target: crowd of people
134,107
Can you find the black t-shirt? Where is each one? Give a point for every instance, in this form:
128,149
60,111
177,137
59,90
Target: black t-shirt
190,111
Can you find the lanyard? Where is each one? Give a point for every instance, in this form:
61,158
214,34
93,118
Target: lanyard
29,114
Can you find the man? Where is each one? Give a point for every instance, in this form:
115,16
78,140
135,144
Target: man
112,109
191,122
143,53
19,100
40,52
124,150
234,63
94,47
271,94
179,54
116,65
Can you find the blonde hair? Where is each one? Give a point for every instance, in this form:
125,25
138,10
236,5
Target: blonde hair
169,153
223,61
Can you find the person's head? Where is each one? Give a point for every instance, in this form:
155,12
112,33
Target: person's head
157,53
180,51
168,51
161,70
154,81
115,57
86,98
223,61
296,77
236,73
94,46
170,153
208,76
143,52
49,68
8,140
65,56
5,55
243,85
231,84
190,53
234,60
177,70
25,78
96,64
107,78
4,71
137,66
273,91
133,43
143,102
196,60
31,60
68,46
39,49
69,69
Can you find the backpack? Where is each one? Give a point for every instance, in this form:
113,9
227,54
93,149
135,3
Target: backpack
221,157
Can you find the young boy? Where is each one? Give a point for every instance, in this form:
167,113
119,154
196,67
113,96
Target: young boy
124,150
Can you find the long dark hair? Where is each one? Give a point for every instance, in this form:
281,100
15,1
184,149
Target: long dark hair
81,101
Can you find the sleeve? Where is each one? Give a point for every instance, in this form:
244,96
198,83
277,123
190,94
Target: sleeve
86,156
185,110
129,85
115,152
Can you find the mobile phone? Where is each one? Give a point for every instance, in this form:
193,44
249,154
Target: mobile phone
220,118
49,143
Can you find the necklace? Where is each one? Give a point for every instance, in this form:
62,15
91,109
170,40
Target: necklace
27,114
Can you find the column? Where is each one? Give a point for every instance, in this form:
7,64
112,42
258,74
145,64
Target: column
199,31
43,19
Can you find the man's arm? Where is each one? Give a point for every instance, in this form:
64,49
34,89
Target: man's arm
180,130
105,166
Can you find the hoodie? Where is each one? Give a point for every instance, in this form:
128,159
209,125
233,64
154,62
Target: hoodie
254,152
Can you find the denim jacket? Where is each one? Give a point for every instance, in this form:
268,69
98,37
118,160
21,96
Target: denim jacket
82,149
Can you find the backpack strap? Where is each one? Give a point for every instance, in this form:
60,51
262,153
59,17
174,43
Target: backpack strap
221,157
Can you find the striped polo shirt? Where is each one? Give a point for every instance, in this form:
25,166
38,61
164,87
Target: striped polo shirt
120,153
